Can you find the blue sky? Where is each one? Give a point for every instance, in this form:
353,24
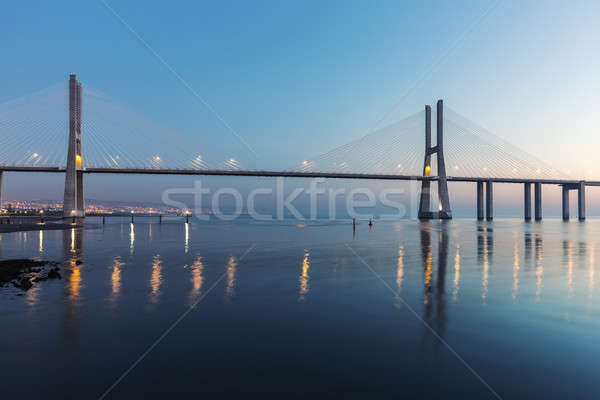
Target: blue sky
297,78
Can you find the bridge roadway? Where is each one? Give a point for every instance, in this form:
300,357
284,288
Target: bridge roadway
293,174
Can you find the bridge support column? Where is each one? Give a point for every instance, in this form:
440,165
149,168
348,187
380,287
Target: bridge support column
538,201
1,190
424,202
489,201
73,203
479,200
527,201
565,203
443,211
581,201
444,197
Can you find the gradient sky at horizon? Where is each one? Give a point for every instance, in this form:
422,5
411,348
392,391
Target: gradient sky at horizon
297,78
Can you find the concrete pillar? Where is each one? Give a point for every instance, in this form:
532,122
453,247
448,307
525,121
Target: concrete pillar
489,201
445,212
527,201
480,200
80,198
538,201
1,189
565,203
73,195
424,203
581,201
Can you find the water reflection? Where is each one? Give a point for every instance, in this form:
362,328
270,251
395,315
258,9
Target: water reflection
427,256
456,282
72,261
155,279
539,269
131,237
485,251
426,252
230,269
304,275
516,268
72,267
115,280
187,237
197,279
591,278
568,256
41,242
400,269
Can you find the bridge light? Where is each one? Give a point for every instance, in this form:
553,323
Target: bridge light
35,155
78,160
304,162
456,167
156,158
427,170
399,166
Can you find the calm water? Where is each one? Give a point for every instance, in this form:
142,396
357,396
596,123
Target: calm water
307,310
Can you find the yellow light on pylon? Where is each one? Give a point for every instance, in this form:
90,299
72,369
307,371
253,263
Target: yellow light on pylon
78,161
427,170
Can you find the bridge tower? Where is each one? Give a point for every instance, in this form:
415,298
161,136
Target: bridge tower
73,204
444,211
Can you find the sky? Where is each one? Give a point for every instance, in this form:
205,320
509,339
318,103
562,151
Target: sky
294,79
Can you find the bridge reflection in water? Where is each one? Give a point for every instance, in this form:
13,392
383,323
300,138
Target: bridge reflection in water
443,254
434,266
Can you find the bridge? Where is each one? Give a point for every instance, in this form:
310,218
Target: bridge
392,153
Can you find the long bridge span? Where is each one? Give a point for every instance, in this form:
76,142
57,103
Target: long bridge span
75,168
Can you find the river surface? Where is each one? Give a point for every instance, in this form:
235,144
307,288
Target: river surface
456,309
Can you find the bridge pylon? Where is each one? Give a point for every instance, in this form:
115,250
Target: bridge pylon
444,211
73,203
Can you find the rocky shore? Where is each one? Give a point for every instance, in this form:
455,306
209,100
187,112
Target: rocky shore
23,273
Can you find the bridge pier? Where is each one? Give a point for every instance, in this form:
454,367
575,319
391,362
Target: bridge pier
580,187
581,201
527,201
1,190
73,203
479,200
565,203
443,211
538,201
489,201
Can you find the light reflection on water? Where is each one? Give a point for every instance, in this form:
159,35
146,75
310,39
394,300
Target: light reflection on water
115,279
304,275
230,270
197,280
155,279
520,295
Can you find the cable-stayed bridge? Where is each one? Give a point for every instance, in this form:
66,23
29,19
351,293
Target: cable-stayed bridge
82,131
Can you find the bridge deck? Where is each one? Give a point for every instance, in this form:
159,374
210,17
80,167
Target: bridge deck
290,174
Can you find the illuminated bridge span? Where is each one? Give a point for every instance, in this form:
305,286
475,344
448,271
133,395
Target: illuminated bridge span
102,136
